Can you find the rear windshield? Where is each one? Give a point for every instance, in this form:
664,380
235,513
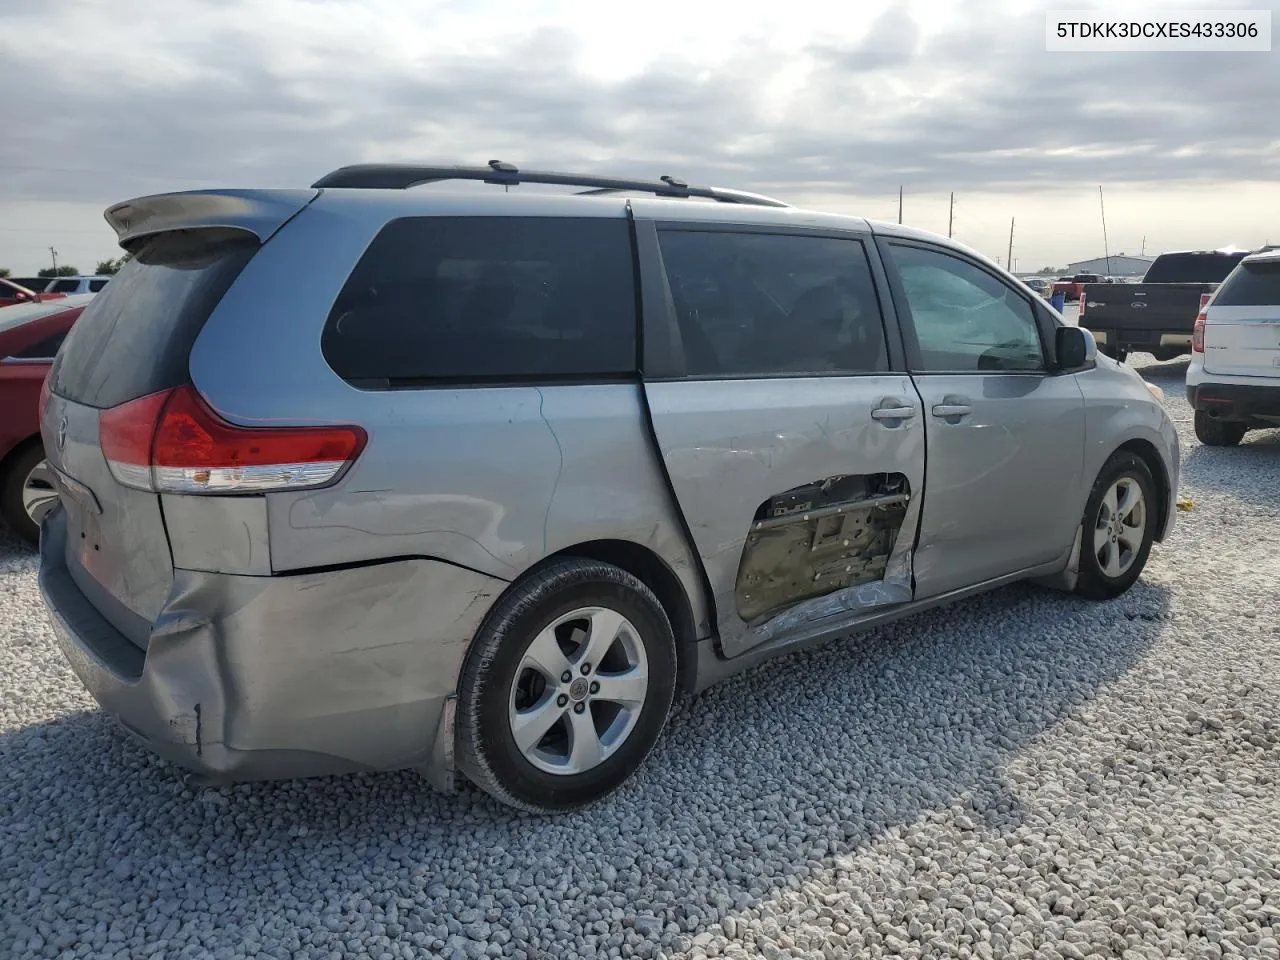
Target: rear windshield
448,299
1192,267
135,336
1255,284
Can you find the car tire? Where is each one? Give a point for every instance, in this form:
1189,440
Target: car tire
1218,433
601,720
1113,551
12,506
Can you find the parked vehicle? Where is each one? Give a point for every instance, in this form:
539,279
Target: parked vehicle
71,285
11,293
1155,316
1071,288
30,335
511,469
38,284
1233,379
1040,285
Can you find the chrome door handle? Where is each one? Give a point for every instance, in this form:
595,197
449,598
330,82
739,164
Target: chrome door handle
893,413
945,410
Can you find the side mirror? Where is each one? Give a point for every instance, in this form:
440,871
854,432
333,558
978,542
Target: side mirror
1075,348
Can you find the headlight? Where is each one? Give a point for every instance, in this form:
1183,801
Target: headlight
1155,391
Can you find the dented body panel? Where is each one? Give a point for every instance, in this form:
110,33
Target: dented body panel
260,677
731,446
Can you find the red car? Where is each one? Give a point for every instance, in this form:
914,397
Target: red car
30,334
11,293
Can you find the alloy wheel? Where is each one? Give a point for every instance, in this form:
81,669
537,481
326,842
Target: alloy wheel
578,691
1120,527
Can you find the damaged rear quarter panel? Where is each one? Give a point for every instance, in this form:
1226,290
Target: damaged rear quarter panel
354,664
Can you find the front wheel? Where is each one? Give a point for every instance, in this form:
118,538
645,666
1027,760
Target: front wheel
1218,433
1118,528
566,688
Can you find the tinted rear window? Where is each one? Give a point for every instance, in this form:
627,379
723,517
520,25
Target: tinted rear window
64,286
486,298
1255,284
134,338
1192,267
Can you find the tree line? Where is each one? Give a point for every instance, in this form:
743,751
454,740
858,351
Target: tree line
104,268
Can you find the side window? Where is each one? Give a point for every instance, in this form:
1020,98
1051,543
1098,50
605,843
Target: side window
964,318
45,349
96,285
449,298
752,304
65,286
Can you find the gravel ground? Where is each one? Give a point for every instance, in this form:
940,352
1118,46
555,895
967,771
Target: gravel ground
1024,774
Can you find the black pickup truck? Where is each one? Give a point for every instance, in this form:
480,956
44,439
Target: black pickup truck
1157,315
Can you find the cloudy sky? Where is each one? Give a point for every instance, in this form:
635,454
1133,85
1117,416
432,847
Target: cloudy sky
828,104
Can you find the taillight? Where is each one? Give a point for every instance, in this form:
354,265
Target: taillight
1197,335
1083,304
173,442
1197,332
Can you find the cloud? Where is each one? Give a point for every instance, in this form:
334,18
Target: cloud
213,93
824,100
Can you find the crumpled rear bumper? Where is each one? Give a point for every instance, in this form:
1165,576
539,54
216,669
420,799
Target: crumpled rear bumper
249,678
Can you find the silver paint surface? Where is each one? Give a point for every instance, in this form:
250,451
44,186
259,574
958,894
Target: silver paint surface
729,445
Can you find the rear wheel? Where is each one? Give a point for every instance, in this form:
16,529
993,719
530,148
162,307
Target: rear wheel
567,687
1218,433
27,493
1118,528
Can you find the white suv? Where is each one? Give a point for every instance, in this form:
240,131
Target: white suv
1233,381
73,285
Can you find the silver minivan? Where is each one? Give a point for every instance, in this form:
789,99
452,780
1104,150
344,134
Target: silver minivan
476,480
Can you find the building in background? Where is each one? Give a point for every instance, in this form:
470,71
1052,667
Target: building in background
1120,265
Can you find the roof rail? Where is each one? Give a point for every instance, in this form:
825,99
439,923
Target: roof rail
397,176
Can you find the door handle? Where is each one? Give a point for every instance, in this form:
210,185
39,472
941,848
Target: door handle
947,410
893,413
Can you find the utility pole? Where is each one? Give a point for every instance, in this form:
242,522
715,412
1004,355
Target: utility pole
54,253
951,216
1009,259
899,204
1106,252
1144,246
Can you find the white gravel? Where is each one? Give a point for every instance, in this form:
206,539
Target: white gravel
1024,774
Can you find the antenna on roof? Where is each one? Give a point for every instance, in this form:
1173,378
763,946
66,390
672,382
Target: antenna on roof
668,179
503,167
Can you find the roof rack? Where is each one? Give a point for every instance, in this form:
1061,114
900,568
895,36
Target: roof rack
397,176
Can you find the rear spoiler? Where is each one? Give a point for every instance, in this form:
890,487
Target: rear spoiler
260,212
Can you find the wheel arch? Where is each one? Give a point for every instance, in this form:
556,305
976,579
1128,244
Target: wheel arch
648,567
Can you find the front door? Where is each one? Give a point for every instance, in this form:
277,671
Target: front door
1005,436
795,451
